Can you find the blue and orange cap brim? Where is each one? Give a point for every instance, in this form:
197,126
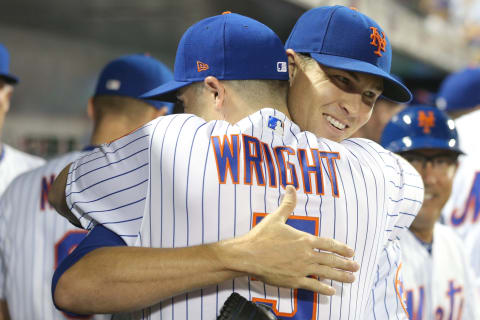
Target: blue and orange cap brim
392,88
398,146
166,92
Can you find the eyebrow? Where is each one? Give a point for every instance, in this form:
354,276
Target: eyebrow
353,75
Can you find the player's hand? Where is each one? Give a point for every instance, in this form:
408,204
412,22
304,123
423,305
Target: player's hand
283,256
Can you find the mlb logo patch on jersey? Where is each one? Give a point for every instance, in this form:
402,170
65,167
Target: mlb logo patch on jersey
276,125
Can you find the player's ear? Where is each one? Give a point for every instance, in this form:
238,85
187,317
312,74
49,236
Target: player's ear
9,97
293,63
217,91
161,112
90,109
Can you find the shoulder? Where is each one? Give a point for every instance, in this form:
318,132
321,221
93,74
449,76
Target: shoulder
12,154
448,237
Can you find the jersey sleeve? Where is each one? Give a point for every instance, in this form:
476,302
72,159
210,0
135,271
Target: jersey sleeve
387,300
108,185
403,185
406,195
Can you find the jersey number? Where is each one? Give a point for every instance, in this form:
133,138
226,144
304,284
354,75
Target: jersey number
305,302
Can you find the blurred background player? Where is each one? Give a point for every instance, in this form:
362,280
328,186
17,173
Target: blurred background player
459,96
12,161
438,280
364,85
34,239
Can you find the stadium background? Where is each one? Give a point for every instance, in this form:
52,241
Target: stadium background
58,47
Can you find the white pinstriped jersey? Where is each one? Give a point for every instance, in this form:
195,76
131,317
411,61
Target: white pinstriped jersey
13,162
462,209
201,191
439,286
33,240
472,247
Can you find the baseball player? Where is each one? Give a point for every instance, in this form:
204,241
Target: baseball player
237,176
12,161
31,233
459,96
336,56
438,281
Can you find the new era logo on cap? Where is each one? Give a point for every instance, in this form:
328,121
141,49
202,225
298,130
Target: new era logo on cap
201,66
236,48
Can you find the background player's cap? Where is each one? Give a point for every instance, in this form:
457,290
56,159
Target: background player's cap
460,90
131,76
420,127
228,46
5,66
343,38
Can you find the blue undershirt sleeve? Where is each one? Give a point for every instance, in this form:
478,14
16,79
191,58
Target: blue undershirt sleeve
97,238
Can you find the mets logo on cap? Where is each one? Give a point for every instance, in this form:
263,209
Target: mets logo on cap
426,120
378,41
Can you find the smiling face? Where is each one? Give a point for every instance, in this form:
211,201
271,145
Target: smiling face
437,168
329,102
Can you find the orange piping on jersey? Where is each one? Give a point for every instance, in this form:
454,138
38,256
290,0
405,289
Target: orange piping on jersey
397,283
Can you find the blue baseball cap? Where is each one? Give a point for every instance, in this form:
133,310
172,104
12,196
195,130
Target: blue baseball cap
5,66
420,127
460,90
131,76
343,38
229,47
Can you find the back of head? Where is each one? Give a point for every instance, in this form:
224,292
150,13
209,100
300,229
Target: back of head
343,38
420,127
5,67
460,91
229,47
128,77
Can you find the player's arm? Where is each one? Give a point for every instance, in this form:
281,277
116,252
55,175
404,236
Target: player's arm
118,279
57,198
4,315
